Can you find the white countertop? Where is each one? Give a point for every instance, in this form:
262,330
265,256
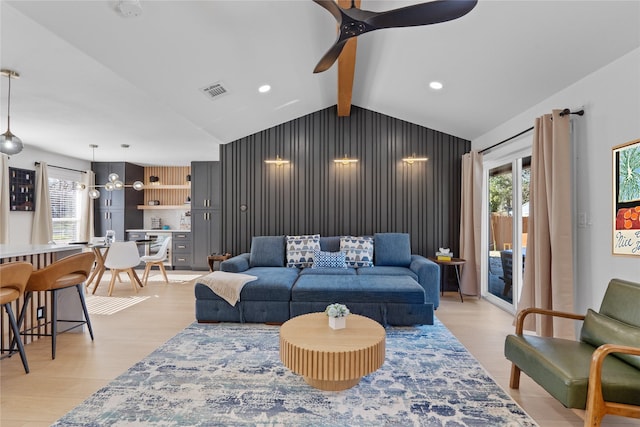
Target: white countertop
156,230
10,251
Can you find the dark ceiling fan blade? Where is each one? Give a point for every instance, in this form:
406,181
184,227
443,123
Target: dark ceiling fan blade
330,57
422,14
332,7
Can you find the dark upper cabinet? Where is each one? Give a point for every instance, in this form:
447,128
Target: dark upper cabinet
117,210
205,185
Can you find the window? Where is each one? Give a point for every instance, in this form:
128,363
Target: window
65,207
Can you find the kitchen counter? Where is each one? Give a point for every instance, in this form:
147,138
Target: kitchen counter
156,230
24,250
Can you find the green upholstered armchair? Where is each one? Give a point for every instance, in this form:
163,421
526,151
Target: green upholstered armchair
600,372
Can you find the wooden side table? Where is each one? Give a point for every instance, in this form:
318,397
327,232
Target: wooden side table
457,264
211,259
331,359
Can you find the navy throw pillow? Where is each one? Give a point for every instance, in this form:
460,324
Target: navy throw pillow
393,249
267,251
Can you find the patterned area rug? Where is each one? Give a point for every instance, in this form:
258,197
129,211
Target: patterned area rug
231,375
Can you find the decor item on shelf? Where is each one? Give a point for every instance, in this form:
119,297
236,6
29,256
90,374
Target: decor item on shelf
189,178
412,159
9,143
345,160
114,182
154,179
153,202
156,223
337,314
278,161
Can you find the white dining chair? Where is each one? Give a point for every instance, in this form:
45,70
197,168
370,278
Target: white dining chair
123,257
156,259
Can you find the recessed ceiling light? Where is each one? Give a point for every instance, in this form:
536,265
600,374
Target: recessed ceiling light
436,85
264,88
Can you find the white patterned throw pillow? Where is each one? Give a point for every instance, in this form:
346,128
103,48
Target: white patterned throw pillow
358,251
300,250
322,259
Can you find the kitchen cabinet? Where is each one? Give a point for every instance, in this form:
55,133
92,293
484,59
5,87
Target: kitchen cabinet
206,216
205,235
205,185
181,249
117,210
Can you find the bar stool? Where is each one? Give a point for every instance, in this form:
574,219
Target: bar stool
13,280
65,273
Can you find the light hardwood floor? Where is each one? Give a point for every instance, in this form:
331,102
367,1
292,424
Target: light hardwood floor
81,366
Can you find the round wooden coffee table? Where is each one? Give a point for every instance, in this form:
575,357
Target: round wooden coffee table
331,359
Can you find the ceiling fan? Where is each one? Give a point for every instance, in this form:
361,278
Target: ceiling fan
354,21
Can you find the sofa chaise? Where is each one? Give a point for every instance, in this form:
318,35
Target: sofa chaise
376,276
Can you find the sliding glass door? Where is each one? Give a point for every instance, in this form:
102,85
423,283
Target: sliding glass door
507,201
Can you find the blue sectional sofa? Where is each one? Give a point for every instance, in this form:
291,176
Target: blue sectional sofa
393,287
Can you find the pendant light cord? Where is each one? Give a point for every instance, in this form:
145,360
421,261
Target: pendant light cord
9,102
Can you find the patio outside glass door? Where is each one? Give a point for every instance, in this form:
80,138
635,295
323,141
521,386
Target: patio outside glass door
508,214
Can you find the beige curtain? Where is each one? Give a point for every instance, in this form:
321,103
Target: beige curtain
4,199
42,228
471,222
86,207
548,273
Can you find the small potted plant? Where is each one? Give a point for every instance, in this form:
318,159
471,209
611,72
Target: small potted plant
337,314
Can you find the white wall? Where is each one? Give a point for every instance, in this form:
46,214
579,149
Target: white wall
20,222
611,99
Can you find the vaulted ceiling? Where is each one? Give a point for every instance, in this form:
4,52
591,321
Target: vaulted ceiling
91,76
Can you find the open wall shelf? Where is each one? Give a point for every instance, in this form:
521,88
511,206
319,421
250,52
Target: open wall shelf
171,191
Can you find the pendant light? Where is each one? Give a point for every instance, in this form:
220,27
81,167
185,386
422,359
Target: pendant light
9,143
113,182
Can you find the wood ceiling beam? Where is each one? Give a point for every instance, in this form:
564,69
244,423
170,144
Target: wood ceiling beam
346,68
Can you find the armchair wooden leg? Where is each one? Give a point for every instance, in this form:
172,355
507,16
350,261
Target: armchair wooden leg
133,278
145,275
164,272
514,381
112,282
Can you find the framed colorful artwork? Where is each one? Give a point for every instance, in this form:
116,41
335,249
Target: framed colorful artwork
626,199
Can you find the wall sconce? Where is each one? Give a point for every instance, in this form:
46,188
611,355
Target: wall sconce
278,161
412,159
345,160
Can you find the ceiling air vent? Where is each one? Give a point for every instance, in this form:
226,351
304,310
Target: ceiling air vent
214,91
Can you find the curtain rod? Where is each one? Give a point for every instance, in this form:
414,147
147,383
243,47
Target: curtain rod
62,167
563,113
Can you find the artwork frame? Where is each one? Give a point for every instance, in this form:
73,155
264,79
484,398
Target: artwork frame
626,199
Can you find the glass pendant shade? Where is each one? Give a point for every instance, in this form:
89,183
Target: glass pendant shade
109,186
113,177
10,144
94,193
138,185
118,185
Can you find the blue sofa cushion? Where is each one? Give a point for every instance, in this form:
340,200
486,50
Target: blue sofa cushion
358,251
392,249
273,284
322,259
301,249
329,271
388,271
342,289
267,251
330,243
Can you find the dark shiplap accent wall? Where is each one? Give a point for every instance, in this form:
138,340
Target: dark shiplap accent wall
313,194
